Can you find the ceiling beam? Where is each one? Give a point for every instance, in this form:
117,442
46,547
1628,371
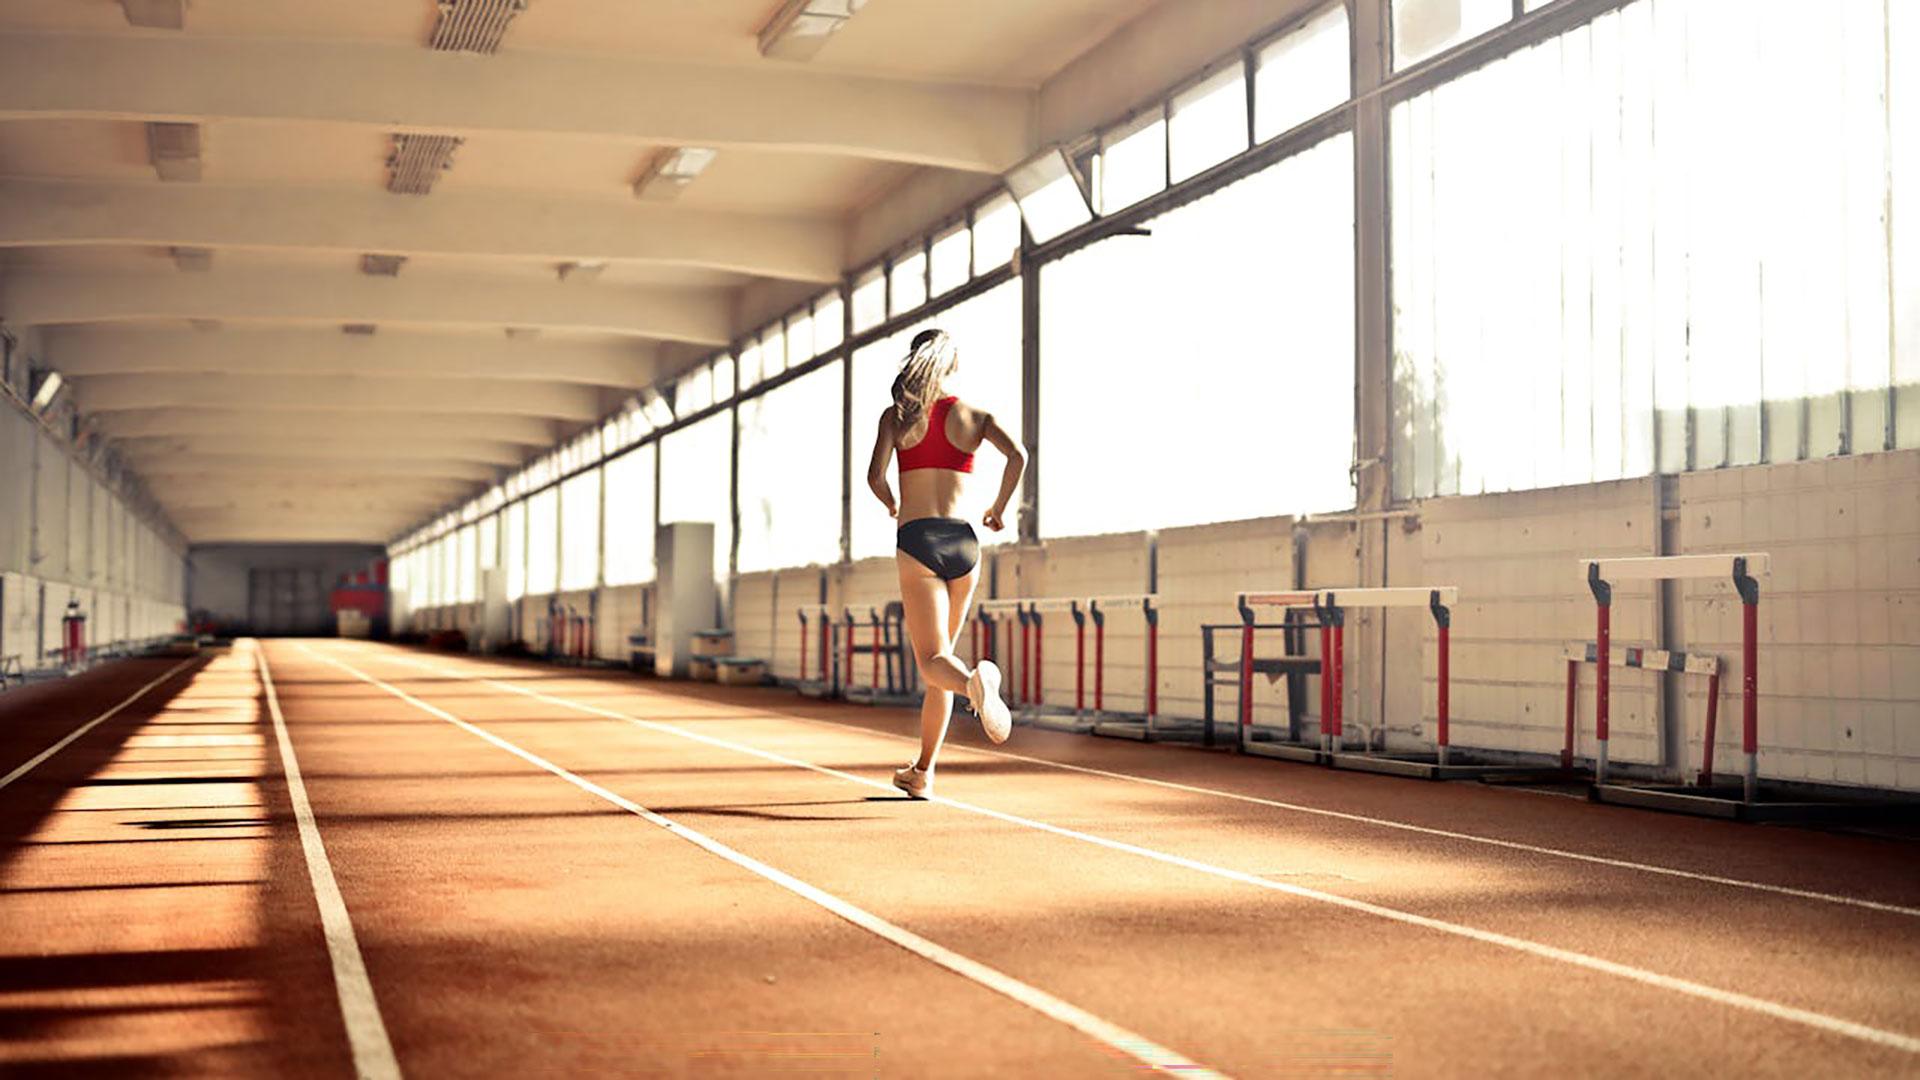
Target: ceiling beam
697,316
43,212
293,467
123,393
94,350
251,529
202,490
397,446
234,422
405,88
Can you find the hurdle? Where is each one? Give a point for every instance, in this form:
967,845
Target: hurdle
1293,664
1146,725
1602,574
993,616
816,626
1647,660
891,680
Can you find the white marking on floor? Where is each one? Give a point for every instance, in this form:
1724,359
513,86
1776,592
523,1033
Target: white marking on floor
1147,1052
366,1032
1762,1006
35,761
1365,819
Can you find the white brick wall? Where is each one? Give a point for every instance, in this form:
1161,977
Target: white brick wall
1839,616
1522,599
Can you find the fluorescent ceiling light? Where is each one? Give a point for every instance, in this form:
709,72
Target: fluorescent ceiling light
802,27
50,383
1050,196
672,171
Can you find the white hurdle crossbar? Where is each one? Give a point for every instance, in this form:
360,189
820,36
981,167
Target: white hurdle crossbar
1331,605
1741,569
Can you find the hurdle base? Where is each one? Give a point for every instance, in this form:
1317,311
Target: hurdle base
1770,806
866,695
1140,729
1055,719
1426,766
814,688
1257,741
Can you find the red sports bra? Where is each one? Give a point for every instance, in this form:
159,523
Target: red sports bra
934,451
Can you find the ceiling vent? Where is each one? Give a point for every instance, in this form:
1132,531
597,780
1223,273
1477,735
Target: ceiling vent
358,329
520,333
473,25
418,160
156,14
192,260
175,150
382,265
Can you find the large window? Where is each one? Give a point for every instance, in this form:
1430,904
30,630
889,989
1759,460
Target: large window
543,542
789,474
629,518
466,570
696,477
986,330
1204,371
1301,73
513,548
1610,257
580,531
1424,28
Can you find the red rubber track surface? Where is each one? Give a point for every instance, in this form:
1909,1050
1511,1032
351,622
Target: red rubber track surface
160,918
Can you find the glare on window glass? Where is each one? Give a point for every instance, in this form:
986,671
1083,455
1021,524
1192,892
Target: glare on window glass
870,300
543,542
1133,162
489,542
996,233
951,252
514,549
580,531
773,350
908,283
696,464
694,391
1236,309
1301,74
1049,197
750,372
789,459
1423,28
827,319
629,518
799,338
1209,122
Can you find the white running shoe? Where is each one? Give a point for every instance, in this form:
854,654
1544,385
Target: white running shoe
915,782
983,695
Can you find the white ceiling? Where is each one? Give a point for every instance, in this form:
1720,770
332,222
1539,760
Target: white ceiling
232,421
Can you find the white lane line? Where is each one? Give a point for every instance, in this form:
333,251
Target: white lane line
43,755
1762,1006
1147,1052
1384,823
366,1032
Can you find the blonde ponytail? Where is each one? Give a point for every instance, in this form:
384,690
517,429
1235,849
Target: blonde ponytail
929,361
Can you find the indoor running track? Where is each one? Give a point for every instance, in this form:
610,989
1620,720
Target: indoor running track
316,858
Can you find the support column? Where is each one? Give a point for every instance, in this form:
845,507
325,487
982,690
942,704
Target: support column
1373,360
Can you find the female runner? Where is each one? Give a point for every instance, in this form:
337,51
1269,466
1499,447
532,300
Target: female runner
936,436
